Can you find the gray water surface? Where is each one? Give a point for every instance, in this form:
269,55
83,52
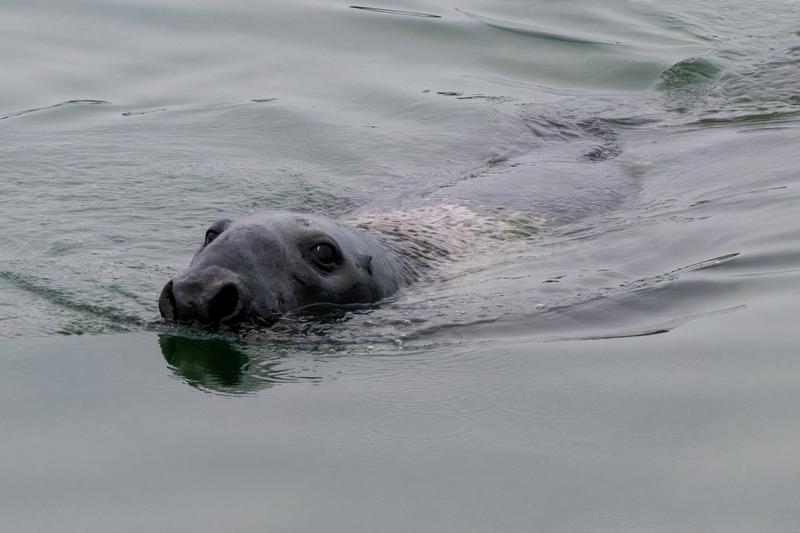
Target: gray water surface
617,354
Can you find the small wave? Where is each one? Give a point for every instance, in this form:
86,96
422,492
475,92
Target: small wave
532,31
756,89
112,319
134,113
655,329
60,104
396,12
749,118
738,195
688,72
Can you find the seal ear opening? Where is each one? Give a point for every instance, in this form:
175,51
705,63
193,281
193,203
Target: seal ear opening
215,230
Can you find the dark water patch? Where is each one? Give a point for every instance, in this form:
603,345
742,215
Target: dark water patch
54,106
263,100
396,12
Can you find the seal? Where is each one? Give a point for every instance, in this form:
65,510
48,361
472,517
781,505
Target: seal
263,266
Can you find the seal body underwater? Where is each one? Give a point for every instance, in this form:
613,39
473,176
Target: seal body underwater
258,268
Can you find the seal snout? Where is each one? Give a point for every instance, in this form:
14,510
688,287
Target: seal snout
211,296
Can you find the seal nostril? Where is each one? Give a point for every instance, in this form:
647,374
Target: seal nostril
166,303
172,302
225,304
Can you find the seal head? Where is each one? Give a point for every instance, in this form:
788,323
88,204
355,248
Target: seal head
261,267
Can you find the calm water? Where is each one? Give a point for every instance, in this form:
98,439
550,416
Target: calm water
620,355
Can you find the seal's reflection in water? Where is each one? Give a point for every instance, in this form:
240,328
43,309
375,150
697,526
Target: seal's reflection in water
242,361
216,365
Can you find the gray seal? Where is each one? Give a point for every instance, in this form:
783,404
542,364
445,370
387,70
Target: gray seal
263,266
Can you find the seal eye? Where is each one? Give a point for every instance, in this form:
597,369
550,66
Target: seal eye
210,236
325,255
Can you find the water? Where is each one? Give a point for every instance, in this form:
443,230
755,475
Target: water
617,354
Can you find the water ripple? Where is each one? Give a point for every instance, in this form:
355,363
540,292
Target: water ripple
54,106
